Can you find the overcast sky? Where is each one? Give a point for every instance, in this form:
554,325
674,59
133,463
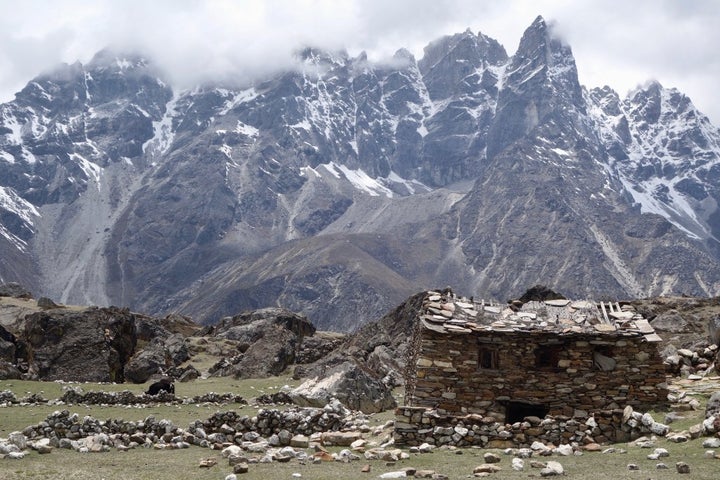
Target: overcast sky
620,43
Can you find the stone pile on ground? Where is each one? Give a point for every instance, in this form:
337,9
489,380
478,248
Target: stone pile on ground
693,363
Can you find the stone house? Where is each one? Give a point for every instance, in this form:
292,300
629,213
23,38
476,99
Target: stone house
541,358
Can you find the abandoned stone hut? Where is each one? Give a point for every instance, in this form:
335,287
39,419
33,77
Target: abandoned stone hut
543,358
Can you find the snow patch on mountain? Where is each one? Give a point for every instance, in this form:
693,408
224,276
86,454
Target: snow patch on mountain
11,202
7,157
238,98
163,131
11,123
91,170
247,130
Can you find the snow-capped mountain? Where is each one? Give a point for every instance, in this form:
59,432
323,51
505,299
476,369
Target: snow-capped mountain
341,186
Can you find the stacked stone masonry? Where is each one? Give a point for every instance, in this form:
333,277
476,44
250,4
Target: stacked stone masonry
417,425
556,358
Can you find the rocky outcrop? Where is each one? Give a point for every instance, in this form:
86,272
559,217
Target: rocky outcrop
348,383
8,346
14,290
370,344
364,367
268,341
92,345
158,357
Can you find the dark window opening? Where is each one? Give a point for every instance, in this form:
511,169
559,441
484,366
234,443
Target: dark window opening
547,357
517,411
488,358
603,358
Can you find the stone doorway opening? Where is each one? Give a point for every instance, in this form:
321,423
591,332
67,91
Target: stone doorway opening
517,411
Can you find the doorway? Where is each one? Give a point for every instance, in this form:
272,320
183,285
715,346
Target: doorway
517,411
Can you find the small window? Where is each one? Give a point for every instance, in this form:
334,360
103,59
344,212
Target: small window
603,358
488,358
547,357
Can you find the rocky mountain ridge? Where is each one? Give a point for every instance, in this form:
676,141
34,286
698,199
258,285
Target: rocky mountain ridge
340,187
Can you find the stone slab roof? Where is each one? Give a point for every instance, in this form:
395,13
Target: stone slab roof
443,312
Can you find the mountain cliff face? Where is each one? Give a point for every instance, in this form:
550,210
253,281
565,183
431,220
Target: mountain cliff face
339,187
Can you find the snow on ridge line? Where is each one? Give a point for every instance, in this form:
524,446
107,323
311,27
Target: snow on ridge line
649,204
243,96
7,157
91,170
14,203
19,243
364,182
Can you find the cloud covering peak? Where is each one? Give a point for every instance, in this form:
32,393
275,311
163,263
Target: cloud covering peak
615,42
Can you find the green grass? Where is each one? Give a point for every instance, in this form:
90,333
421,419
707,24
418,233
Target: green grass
18,417
150,464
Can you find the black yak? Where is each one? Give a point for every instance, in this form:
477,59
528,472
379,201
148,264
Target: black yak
162,385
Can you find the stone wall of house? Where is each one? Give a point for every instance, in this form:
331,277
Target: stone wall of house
416,425
450,377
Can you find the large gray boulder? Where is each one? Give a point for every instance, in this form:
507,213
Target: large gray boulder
8,371
672,322
350,384
712,408
151,360
268,341
7,345
158,357
91,345
714,329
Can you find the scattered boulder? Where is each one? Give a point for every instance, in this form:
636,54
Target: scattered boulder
187,374
491,457
9,371
712,407
351,385
714,330
8,345
92,345
486,468
539,293
269,340
551,469
671,321
151,360
46,303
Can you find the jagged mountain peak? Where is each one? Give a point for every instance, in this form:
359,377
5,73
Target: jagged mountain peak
118,60
461,64
540,83
542,50
467,168
460,48
316,56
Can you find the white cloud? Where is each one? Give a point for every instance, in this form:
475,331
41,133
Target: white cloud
618,43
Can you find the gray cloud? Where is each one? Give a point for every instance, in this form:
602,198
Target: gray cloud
618,43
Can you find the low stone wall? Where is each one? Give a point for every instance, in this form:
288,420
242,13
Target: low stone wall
417,425
305,421
220,428
77,396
